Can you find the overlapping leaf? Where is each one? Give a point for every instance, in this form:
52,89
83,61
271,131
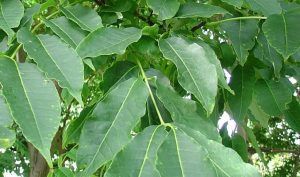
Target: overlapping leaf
108,129
273,96
266,7
236,3
242,82
107,41
292,115
33,101
190,10
11,13
55,58
66,30
196,73
141,153
165,9
281,31
242,35
85,17
7,136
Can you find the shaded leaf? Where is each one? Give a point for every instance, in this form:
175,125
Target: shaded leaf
281,31
66,30
107,41
236,3
108,129
195,72
190,10
165,9
258,113
33,101
242,82
141,153
272,96
85,17
292,115
47,51
27,19
266,7
242,35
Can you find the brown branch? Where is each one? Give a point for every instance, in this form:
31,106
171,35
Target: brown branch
198,26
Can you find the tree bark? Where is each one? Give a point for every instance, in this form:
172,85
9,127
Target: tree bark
38,165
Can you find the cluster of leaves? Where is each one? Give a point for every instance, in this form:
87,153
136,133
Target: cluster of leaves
146,78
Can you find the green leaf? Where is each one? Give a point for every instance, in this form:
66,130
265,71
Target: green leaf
47,51
272,96
242,34
181,156
141,153
236,3
242,82
268,54
73,130
33,101
212,57
7,137
27,19
108,129
195,72
66,30
185,111
107,41
266,7
85,17
240,146
258,113
191,10
5,115
63,172
292,115
165,9
282,32
225,161
11,13
116,74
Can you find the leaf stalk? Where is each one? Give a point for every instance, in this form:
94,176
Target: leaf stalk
233,19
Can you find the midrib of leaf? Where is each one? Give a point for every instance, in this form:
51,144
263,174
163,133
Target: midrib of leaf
240,48
216,164
194,81
77,19
112,124
162,6
147,150
70,89
240,112
285,35
178,154
66,34
31,108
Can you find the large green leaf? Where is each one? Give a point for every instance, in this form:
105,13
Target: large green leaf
242,82
7,136
108,129
56,59
282,32
236,3
181,156
33,101
225,161
242,35
185,111
266,7
292,115
116,74
66,30
107,41
273,96
11,13
268,54
195,72
213,59
141,153
85,17
190,10
165,9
